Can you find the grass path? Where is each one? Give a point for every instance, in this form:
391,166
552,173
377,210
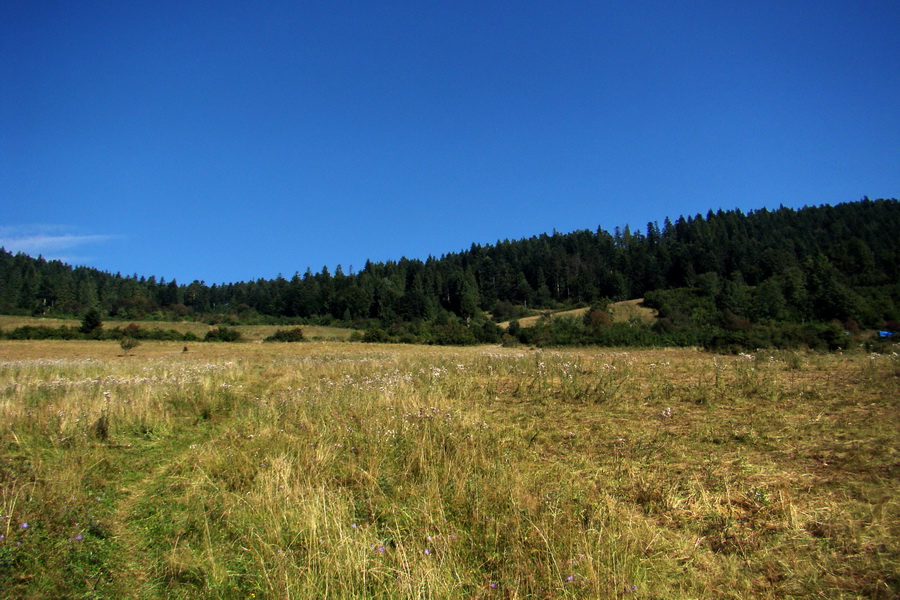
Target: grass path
124,550
136,563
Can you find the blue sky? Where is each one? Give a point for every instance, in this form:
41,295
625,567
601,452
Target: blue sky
228,141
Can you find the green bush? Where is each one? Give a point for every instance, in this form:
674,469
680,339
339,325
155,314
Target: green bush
488,333
453,334
286,335
128,344
506,311
30,332
375,335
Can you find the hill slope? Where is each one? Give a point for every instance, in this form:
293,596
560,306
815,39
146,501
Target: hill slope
727,269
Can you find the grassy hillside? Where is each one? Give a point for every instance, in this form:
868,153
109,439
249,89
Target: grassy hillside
329,470
707,275
620,312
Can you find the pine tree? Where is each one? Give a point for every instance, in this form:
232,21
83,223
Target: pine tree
91,324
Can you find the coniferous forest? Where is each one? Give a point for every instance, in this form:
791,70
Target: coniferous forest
726,279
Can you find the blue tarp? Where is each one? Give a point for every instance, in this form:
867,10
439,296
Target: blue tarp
886,333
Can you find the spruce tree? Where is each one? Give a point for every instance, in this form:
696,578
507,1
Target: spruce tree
91,323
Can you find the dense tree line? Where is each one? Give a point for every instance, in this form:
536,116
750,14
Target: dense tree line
724,269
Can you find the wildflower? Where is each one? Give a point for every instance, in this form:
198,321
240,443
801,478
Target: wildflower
570,578
24,525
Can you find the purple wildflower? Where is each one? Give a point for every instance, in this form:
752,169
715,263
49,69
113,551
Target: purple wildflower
24,525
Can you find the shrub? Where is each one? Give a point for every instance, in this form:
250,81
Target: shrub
488,333
286,335
453,334
128,343
597,317
31,332
506,311
375,335
222,334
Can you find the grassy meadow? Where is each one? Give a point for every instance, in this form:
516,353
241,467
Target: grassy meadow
620,312
248,332
340,470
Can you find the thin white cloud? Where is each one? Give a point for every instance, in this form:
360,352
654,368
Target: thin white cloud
48,241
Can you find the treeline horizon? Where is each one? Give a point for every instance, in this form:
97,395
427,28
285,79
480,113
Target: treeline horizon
727,270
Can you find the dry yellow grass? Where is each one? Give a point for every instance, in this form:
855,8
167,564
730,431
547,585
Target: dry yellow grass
632,309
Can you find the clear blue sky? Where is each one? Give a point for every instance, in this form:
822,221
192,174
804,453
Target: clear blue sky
227,141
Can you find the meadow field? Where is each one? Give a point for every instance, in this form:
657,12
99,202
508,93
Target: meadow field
198,328
341,470
619,312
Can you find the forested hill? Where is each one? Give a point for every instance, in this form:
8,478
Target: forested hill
817,263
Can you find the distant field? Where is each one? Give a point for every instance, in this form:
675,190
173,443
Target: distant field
249,332
632,309
342,470
621,312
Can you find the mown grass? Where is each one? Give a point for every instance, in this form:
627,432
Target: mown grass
364,471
